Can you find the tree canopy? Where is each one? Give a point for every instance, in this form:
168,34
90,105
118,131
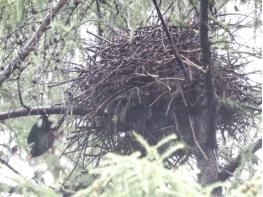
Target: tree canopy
176,81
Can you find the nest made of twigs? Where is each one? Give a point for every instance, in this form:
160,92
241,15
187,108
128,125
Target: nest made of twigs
133,82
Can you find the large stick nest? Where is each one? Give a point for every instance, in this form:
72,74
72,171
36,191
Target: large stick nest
133,81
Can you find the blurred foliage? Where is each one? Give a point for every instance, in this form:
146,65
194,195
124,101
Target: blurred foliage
133,176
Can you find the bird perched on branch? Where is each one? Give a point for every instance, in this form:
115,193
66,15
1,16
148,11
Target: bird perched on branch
41,136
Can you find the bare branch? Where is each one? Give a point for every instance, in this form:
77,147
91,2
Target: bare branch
9,166
177,58
15,113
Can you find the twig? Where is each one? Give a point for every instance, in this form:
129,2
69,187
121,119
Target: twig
9,166
98,37
99,15
191,63
195,139
178,60
76,4
20,94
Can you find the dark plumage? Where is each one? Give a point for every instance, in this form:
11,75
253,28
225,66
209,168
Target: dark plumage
41,136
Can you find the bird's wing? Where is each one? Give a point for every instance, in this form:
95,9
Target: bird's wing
32,135
42,143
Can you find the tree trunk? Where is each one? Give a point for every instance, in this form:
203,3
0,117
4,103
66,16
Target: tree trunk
209,167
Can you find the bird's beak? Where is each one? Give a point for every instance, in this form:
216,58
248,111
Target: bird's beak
29,157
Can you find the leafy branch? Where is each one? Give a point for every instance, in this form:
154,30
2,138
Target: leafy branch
16,64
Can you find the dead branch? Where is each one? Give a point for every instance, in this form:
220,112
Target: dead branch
177,58
9,166
15,113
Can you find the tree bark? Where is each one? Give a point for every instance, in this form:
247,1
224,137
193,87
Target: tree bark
40,110
208,166
206,121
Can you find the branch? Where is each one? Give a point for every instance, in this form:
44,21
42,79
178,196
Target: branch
229,169
177,58
99,15
31,44
9,166
76,4
15,113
